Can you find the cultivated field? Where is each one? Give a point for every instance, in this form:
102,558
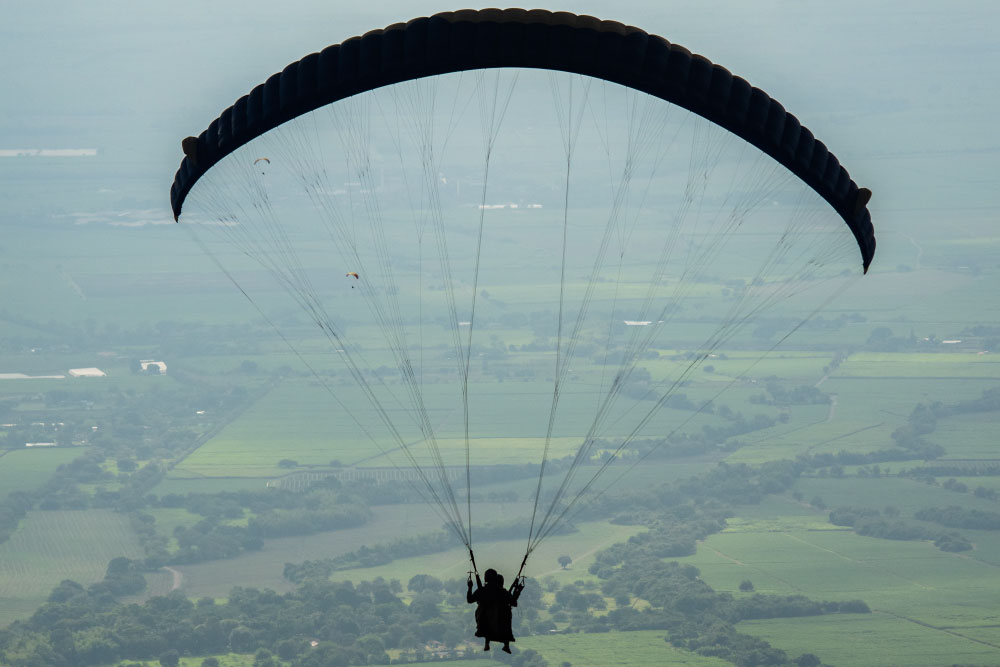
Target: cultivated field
299,420
643,647
28,469
919,594
506,555
879,640
55,545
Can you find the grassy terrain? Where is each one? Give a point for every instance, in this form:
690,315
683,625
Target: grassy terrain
299,420
919,365
918,593
643,647
863,416
263,568
51,546
970,436
506,555
879,640
907,495
174,482
27,469
614,648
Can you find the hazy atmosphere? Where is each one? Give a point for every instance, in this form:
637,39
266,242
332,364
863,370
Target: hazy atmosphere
604,328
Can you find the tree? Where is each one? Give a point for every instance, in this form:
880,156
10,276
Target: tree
564,561
242,640
746,585
424,606
170,658
264,658
424,582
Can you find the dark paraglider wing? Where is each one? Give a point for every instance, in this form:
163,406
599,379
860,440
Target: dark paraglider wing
493,38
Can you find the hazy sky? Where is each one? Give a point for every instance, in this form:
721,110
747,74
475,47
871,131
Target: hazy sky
904,91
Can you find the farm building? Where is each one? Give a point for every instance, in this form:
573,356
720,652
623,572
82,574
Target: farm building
86,373
146,363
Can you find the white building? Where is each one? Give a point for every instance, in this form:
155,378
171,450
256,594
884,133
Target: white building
86,373
146,363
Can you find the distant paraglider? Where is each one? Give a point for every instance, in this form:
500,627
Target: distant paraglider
261,159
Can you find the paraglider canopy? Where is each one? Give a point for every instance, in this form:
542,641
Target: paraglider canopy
494,38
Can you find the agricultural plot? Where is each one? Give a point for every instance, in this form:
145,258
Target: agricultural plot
506,555
786,440
479,662
226,660
184,485
970,436
991,483
642,647
296,420
795,367
27,469
876,640
77,270
862,418
51,546
301,421
263,568
921,365
906,495
933,592
872,399
929,296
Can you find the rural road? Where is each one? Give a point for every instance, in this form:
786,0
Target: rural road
178,577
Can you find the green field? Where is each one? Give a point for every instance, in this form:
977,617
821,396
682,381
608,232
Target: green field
506,555
972,436
27,469
184,485
878,640
263,568
643,647
907,495
865,413
299,420
915,589
51,546
921,365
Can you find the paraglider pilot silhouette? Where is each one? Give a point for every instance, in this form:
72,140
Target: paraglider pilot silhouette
493,615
